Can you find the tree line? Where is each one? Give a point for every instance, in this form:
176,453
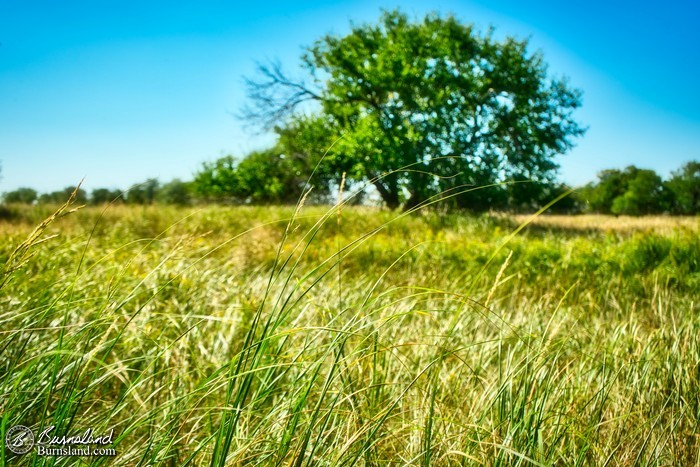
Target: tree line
270,177
151,191
634,191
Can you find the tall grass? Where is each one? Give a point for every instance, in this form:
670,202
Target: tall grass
276,336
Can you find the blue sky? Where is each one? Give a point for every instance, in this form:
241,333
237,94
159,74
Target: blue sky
118,92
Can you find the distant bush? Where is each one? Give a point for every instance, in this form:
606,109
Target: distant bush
143,193
262,177
7,213
105,195
175,192
21,195
61,196
632,191
685,186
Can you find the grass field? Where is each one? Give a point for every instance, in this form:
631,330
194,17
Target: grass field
327,337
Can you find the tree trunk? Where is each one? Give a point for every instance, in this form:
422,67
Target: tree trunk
412,202
390,197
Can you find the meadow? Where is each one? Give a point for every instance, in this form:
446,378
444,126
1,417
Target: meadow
332,336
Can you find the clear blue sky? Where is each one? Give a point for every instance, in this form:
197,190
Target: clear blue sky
118,92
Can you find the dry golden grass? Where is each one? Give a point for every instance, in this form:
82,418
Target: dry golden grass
605,223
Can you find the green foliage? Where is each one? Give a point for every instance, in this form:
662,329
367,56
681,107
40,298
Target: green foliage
611,184
217,181
644,194
632,191
175,192
21,195
105,195
646,252
685,186
143,193
61,196
151,191
270,177
262,177
429,106
312,148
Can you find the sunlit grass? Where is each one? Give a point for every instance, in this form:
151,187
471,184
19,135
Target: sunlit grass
231,336
621,224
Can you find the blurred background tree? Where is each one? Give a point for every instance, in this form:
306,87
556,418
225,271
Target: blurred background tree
61,196
175,192
105,195
632,191
685,186
143,193
262,177
21,195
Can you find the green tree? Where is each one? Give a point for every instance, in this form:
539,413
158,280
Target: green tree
175,192
21,195
632,191
105,195
449,106
262,177
685,186
218,180
611,184
644,194
312,149
61,196
270,177
143,193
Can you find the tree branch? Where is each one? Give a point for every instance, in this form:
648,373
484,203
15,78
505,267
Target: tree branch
274,96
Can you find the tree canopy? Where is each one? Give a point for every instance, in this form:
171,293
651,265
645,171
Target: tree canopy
61,196
143,193
21,195
426,107
685,186
632,191
262,177
175,192
105,195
